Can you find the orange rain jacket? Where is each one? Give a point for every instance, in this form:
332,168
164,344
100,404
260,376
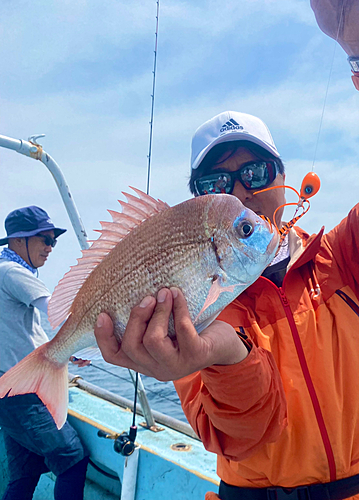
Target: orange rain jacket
288,414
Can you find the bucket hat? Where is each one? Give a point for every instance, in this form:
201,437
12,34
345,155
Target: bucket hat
28,221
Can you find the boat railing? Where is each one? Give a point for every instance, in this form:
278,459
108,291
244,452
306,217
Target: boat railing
160,418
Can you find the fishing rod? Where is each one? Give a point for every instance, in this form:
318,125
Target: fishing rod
133,374
149,156
126,443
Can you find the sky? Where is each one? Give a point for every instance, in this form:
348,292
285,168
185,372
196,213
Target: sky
81,73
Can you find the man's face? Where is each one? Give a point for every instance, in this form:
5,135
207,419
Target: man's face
262,203
38,250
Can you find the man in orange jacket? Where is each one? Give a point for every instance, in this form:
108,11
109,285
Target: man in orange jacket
270,386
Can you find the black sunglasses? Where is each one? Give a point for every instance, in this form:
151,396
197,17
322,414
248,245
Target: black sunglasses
252,175
48,240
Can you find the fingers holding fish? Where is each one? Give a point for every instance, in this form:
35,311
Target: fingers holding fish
146,346
187,336
142,330
121,354
218,344
157,341
146,331
174,357
146,343
192,352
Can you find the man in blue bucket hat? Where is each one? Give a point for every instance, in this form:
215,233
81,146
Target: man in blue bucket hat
33,443
30,225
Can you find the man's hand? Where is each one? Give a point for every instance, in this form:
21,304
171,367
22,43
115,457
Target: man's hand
329,12
147,348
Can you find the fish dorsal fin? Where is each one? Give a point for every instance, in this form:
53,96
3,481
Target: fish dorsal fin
135,211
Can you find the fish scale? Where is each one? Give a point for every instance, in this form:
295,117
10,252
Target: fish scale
146,277
125,269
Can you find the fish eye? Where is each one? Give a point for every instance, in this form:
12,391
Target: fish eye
245,229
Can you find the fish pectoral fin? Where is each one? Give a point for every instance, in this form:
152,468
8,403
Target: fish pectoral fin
214,292
91,353
38,374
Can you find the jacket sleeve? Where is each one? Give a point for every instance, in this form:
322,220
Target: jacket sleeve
342,246
236,409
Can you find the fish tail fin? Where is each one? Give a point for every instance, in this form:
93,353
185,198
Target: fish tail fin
38,373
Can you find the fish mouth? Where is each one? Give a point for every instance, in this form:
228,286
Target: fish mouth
268,224
273,244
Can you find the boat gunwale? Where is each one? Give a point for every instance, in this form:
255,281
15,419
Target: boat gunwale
160,418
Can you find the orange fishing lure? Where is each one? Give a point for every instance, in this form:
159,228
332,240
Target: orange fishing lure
310,186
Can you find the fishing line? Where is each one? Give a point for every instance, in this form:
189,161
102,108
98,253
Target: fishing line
311,182
147,389
149,156
327,89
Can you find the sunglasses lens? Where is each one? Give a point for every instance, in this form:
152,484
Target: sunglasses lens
258,175
49,242
253,175
220,183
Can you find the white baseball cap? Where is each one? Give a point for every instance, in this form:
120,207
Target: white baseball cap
230,126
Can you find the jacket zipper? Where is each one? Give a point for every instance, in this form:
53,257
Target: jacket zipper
310,385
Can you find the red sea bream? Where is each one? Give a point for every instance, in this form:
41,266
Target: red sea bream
211,247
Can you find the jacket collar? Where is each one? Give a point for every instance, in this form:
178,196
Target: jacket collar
303,247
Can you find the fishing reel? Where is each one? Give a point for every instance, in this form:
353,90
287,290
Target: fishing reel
124,443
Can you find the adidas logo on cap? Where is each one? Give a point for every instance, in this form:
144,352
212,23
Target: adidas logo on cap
230,125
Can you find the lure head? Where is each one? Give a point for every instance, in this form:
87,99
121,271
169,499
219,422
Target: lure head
310,186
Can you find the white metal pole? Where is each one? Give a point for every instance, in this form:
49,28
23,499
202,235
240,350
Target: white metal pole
35,151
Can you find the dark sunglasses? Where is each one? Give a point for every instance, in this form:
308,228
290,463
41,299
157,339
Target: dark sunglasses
252,175
48,240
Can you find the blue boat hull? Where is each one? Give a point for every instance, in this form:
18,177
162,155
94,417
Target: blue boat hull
170,463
